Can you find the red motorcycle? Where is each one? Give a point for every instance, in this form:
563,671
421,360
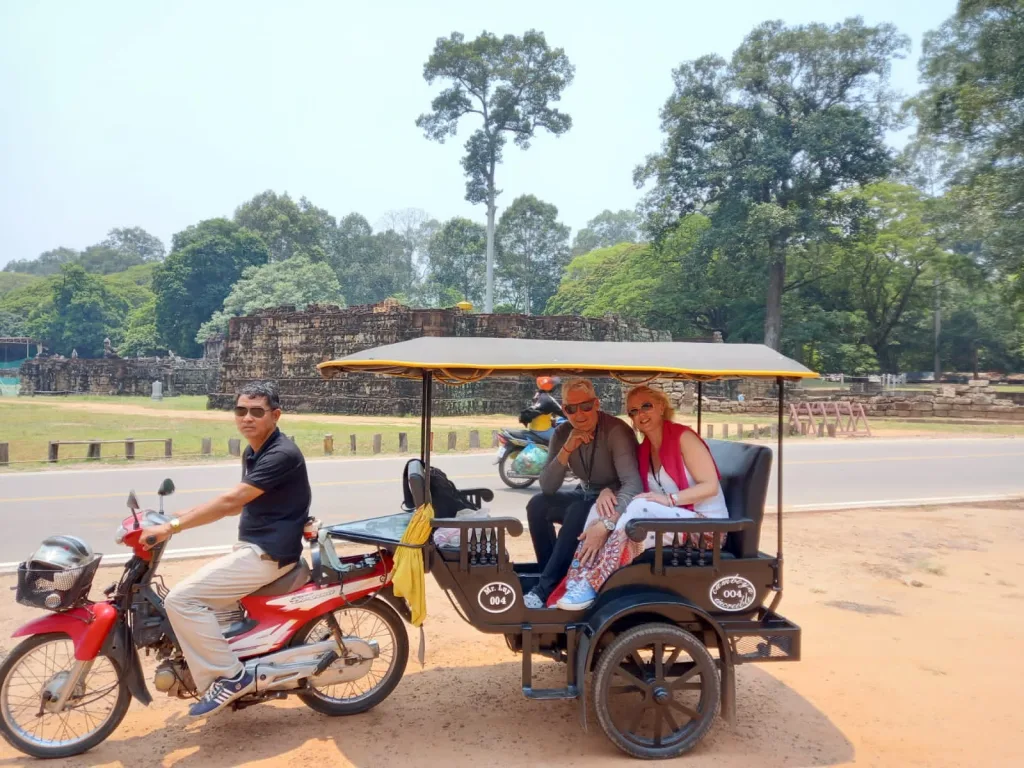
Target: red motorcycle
332,636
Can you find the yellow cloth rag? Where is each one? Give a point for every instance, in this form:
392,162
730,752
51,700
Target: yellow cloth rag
407,575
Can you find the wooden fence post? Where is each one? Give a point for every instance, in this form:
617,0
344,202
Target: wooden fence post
711,431
52,451
352,444
129,448
377,443
474,438
739,431
725,431
5,456
328,445
831,429
452,440
206,448
494,438
403,442
93,452
821,429
168,448
773,430
235,446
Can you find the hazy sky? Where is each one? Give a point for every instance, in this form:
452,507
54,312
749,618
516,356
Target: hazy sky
162,114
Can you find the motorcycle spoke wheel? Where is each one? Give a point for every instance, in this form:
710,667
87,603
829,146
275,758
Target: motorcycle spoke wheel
94,709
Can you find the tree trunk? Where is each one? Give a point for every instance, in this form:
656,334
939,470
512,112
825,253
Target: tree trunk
773,303
489,295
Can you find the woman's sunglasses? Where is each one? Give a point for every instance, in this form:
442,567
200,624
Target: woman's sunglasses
257,413
632,412
586,407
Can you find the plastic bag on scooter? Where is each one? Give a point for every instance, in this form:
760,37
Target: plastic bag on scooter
530,460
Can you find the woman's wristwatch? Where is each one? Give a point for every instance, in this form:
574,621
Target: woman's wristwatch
673,499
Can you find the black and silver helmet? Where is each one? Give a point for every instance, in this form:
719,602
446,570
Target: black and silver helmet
61,553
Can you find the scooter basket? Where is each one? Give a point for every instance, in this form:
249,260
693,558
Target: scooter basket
53,589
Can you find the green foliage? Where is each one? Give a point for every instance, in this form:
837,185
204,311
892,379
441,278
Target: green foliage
533,249
296,282
973,106
758,143
84,311
47,263
288,228
123,248
620,279
606,229
510,82
192,283
141,337
12,281
456,263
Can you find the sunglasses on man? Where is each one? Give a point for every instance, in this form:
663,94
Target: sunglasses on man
632,412
256,412
586,407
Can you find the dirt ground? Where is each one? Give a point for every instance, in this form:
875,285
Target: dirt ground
912,628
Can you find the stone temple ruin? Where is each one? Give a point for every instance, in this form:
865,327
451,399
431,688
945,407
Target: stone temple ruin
285,346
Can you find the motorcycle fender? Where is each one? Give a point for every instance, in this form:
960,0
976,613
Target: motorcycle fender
87,626
121,649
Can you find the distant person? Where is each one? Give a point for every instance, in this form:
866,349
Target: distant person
601,450
539,415
273,499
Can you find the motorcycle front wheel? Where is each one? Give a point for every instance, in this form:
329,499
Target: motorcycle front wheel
32,674
513,482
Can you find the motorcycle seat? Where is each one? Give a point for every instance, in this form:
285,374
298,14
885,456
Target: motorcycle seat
296,578
534,437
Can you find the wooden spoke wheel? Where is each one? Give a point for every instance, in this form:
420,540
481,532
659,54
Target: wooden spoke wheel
656,691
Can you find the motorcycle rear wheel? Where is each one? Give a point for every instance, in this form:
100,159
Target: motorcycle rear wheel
513,482
373,620
34,663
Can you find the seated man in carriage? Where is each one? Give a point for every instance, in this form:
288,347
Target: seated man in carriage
601,450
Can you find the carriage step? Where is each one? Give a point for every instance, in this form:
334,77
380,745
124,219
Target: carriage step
572,692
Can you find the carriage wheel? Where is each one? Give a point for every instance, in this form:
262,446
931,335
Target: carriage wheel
656,691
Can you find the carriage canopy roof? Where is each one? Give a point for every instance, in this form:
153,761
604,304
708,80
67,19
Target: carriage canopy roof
456,360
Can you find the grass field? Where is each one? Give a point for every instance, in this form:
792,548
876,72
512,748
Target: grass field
28,425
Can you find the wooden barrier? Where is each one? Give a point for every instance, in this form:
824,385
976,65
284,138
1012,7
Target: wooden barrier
207,447
352,444
5,455
494,438
840,417
403,442
474,439
453,439
328,445
710,431
235,446
377,444
94,450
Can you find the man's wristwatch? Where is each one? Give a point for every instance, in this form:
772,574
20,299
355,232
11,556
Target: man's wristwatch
175,525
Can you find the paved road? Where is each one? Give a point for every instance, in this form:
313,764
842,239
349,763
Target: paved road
90,502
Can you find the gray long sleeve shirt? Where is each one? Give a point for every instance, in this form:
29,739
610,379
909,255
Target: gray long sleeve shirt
613,464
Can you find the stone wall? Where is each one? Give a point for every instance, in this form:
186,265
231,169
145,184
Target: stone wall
117,376
285,346
973,401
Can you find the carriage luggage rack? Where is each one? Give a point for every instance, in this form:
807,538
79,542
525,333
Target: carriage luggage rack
770,637
55,590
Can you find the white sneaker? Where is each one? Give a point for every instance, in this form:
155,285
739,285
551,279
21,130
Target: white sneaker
532,600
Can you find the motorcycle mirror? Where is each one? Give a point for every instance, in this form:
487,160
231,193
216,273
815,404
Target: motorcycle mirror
166,488
133,501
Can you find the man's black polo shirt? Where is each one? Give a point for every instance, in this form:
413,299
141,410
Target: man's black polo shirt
274,520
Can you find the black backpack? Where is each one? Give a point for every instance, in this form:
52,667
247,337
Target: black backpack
446,499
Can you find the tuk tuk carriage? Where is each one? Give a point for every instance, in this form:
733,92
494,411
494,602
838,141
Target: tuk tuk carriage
663,638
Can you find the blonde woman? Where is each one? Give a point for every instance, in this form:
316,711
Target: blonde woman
680,480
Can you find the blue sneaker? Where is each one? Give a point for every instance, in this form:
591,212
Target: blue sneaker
222,692
578,595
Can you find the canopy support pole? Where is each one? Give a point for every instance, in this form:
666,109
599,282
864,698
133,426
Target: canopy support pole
700,405
778,488
425,413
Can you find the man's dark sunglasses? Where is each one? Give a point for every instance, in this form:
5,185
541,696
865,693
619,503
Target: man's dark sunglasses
632,412
257,412
586,407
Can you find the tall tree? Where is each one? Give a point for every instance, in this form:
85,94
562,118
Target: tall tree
47,263
296,282
137,242
84,312
973,70
192,283
758,142
509,83
456,267
533,250
288,228
606,229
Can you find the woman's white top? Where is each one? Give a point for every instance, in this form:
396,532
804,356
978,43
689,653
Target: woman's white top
714,507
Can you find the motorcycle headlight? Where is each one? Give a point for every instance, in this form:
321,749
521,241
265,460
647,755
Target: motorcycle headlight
119,536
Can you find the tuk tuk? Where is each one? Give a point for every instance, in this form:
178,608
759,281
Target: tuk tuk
663,639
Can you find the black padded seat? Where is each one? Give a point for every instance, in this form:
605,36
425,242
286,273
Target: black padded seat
648,556
296,578
746,470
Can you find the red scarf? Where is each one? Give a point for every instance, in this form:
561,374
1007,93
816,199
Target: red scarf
671,456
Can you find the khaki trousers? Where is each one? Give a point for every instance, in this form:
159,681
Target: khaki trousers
218,585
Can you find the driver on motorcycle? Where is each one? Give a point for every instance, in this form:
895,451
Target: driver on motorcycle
540,414
273,499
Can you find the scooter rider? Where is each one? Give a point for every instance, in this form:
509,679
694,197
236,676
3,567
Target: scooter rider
273,498
539,416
